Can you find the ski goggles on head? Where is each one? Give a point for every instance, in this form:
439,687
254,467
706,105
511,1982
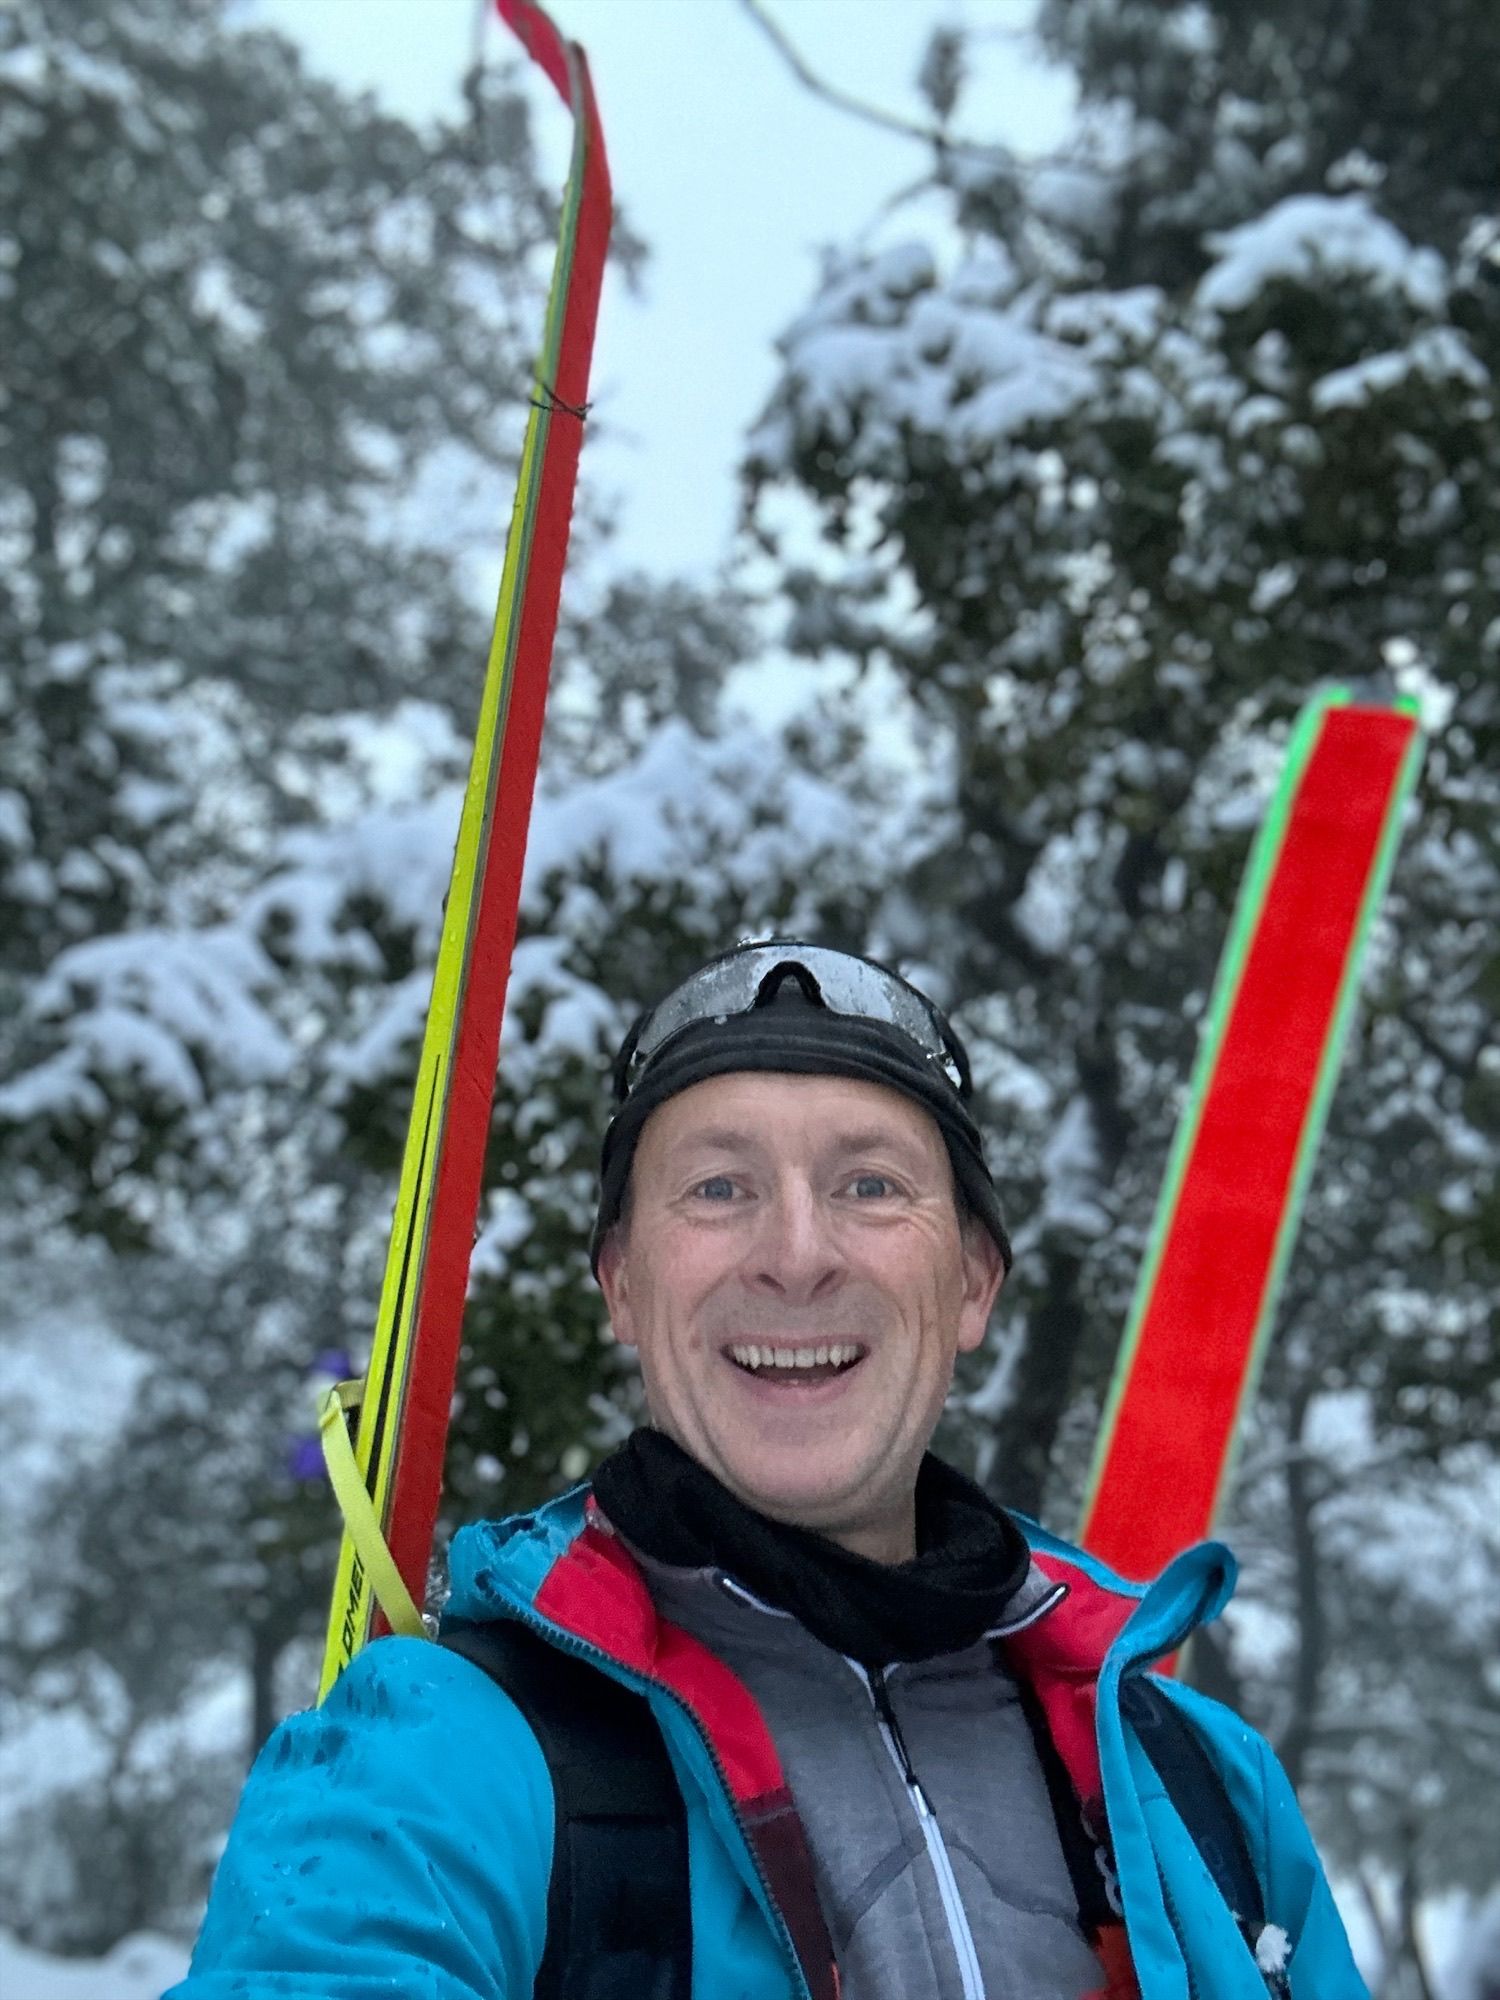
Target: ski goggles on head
753,974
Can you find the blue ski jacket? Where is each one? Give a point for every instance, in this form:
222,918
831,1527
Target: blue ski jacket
397,1841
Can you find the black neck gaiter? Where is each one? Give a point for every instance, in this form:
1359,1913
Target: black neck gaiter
971,1558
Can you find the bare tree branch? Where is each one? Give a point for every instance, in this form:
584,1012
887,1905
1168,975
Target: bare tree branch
1370,1892
935,136
1410,1897
1311,1654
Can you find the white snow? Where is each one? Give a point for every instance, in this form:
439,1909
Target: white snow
578,1018
1005,1345
1191,28
976,361
1132,316
1435,700
66,1384
1469,1955
1460,1934
154,1005
380,1048
1272,1949
904,269
1259,412
145,802
1340,1427
507,1222
118,1042
138,1968
1264,1635
403,231
59,1087
221,532
216,297
683,800
47,1751
1428,1538
1310,237
1272,585
130,701
397,858
1437,354
1047,905
15,820
1070,1164
396,752
1074,195
1034,380
24,68
684,793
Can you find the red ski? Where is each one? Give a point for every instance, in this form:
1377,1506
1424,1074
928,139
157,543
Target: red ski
388,1481
1245,1145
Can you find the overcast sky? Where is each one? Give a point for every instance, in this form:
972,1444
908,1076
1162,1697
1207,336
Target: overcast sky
733,173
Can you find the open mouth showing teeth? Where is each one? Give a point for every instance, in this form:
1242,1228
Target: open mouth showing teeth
797,1364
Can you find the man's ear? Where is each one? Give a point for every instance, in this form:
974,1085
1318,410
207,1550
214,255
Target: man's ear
984,1274
615,1285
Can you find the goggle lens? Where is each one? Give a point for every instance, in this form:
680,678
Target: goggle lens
844,984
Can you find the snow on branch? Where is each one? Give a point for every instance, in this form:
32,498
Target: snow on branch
1308,238
156,1006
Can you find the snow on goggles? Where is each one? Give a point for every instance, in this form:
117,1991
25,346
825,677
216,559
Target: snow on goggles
745,978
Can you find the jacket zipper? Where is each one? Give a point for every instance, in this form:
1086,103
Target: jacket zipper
1179,1935
557,1635
937,1851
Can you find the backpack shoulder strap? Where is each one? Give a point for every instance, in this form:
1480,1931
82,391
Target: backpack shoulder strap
619,1925
1090,1868
1193,1784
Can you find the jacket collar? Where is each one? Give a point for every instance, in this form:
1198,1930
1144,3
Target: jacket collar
565,1556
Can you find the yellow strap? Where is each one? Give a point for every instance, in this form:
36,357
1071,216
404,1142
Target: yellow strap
391,1593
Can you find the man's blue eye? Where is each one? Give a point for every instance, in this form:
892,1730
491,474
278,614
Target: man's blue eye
870,1187
719,1187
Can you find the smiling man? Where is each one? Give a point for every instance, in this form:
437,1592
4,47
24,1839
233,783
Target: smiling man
783,1705
798,1276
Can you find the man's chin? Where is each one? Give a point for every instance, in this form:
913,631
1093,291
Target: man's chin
784,1492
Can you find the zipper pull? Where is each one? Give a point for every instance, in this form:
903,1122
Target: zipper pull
881,1696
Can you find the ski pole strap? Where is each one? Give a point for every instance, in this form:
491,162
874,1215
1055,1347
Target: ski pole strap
360,1519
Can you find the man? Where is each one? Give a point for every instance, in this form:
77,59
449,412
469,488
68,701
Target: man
917,1749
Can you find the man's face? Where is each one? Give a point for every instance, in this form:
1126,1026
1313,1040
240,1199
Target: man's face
811,1218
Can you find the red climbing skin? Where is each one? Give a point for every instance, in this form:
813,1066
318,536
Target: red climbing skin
417,1487
1193,1361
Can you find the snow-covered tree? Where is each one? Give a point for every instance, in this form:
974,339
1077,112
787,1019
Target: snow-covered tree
255,339
252,330
1111,466
232,788
266,353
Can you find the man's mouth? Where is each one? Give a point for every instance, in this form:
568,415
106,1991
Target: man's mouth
816,1362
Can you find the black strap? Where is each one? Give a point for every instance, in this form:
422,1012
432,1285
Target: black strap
1193,1784
1191,1781
1089,1868
619,1926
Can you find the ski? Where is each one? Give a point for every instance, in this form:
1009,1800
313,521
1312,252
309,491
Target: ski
388,1477
1243,1153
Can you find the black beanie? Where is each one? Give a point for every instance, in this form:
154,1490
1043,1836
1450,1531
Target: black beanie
798,1037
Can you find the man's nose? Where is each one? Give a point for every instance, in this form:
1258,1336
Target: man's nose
796,1254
